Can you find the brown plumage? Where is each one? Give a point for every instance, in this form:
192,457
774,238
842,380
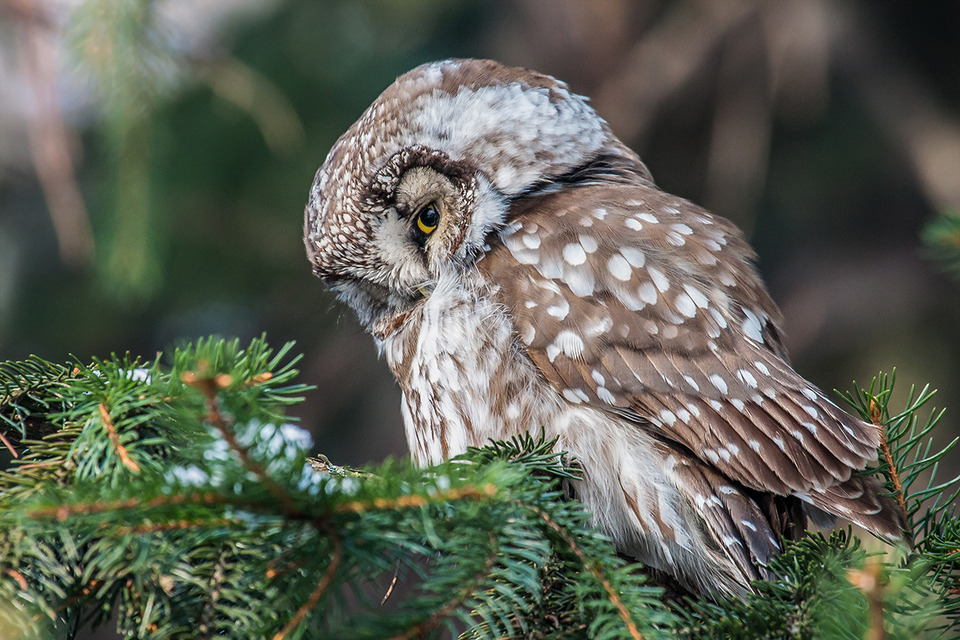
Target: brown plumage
518,267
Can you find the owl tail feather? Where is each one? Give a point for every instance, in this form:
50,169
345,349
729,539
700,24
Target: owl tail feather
860,501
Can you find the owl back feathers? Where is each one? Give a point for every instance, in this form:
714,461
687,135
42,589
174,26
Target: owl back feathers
646,306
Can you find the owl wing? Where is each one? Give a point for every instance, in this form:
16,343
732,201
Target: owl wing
645,305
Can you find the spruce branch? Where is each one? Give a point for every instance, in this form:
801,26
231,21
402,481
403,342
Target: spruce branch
199,543
317,593
907,452
115,440
209,385
612,595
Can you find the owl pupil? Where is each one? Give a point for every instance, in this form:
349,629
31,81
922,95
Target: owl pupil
428,218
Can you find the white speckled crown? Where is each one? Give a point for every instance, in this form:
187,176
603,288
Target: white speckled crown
517,126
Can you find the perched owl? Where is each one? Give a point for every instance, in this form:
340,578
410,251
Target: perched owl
518,268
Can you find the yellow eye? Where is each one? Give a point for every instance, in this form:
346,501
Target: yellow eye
428,218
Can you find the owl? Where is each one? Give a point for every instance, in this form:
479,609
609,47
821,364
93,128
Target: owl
519,269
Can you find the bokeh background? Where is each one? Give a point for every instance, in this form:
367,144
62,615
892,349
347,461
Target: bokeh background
155,159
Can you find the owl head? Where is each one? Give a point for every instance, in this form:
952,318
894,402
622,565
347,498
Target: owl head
433,167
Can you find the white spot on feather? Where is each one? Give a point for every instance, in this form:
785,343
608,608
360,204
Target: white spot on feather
718,381
747,378
559,310
668,417
619,268
574,254
647,293
684,304
646,217
524,256
751,326
605,395
602,325
634,256
568,343
580,281
675,239
589,243
659,280
527,333
697,296
718,318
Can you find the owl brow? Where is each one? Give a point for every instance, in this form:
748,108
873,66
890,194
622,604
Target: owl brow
382,189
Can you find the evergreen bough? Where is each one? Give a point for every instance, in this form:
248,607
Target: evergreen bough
176,498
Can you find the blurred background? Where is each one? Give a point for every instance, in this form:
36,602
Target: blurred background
155,159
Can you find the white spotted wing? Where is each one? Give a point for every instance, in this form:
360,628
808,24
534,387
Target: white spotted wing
646,306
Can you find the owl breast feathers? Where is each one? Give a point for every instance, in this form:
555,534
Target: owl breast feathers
519,268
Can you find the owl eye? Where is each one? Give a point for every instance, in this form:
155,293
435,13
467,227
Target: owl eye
428,218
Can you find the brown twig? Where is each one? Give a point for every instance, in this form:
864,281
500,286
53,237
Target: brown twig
125,458
314,598
393,583
876,418
431,622
402,502
16,575
177,525
209,386
62,512
612,594
214,589
870,581
9,446
69,602
292,565
35,465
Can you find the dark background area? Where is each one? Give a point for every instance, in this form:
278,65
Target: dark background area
829,132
